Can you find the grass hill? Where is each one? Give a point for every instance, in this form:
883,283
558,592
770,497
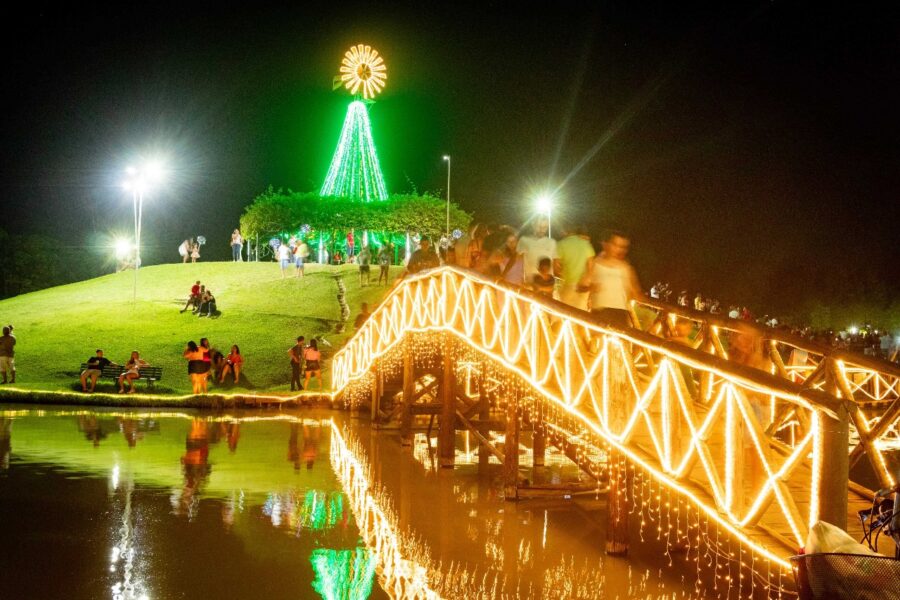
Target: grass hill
59,328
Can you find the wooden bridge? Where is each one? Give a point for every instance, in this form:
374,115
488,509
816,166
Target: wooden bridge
716,454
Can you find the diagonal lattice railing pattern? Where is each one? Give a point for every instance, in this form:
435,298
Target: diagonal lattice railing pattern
873,385
632,390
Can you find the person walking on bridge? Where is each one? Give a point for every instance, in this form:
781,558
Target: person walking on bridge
575,250
611,281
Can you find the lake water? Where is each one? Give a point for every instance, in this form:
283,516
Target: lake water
130,504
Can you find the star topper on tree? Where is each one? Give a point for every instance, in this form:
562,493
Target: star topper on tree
362,71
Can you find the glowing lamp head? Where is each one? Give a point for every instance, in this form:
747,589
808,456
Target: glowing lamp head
544,204
123,248
854,330
447,157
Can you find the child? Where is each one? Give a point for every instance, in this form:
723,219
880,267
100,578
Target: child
194,298
543,282
195,252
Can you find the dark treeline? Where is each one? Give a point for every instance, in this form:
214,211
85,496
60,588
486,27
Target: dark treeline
33,262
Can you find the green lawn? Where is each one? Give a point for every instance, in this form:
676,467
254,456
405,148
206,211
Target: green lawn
59,328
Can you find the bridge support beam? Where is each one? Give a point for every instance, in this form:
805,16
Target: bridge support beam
539,445
511,448
375,405
484,413
447,432
835,441
409,389
617,509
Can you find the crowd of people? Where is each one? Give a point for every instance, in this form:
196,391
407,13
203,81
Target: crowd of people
569,269
205,362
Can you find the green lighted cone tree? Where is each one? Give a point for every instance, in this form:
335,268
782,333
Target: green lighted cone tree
355,172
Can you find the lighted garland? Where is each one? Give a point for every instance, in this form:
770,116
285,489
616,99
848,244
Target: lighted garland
516,331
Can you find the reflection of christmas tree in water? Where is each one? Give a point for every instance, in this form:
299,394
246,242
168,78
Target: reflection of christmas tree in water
343,574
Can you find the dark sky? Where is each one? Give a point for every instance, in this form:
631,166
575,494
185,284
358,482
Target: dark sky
750,149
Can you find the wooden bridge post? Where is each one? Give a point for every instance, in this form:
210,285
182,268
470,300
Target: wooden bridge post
835,478
376,397
539,437
409,388
511,448
616,507
447,432
484,413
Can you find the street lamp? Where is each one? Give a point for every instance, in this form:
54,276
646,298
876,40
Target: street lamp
138,181
447,158
545,206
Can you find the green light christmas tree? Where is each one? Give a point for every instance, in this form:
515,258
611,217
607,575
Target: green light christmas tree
355,171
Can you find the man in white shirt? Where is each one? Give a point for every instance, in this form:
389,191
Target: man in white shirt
284,257
537,246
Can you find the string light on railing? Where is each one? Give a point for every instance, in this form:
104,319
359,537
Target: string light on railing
545,351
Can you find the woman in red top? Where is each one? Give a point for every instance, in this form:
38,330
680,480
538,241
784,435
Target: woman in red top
312,357
233,363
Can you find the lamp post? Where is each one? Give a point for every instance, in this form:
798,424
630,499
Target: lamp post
545,206
447,158
137,182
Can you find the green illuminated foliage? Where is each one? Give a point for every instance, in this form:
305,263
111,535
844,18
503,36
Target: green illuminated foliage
275,212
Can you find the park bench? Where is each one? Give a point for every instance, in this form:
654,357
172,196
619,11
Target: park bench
150,374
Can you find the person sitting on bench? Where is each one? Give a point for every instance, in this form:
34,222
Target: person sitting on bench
132,372
194,298
95,365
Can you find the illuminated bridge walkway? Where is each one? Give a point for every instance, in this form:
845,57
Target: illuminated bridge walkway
719,459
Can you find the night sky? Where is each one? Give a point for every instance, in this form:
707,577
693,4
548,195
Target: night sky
751,151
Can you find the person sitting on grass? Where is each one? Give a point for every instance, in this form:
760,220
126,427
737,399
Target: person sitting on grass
217,359
194,299
233,363
207,305
95,365
132,372
312,357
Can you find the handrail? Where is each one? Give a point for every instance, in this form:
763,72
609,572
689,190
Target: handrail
692,357
633,391
769,333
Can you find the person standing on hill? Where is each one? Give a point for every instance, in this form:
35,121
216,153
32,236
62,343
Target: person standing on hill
296,354
284,257
8,354
364,259
312,356
184,250
384,262
237,243
301,255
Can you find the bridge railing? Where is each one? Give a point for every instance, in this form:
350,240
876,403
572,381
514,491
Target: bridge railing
631,390
872,384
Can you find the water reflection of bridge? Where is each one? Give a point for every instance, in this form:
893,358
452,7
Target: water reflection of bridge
706,452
